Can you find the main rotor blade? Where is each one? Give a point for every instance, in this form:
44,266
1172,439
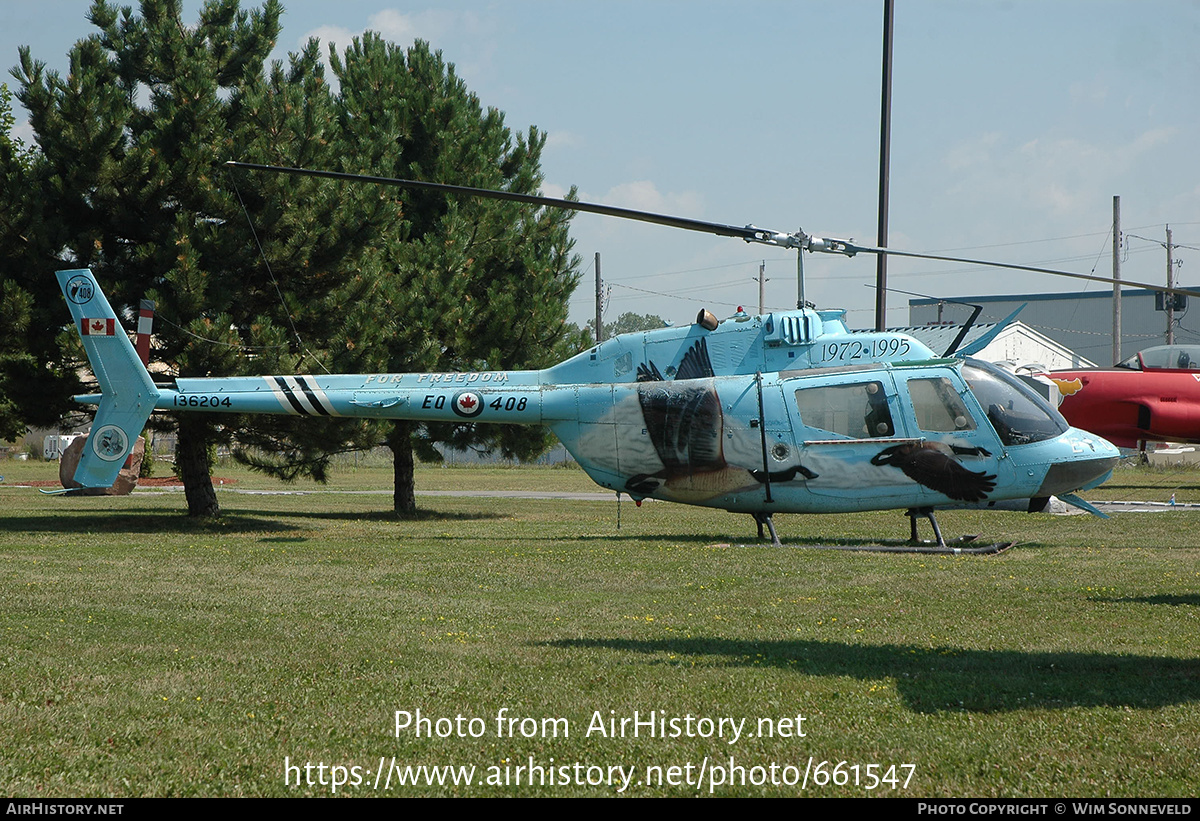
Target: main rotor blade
748,232
851,248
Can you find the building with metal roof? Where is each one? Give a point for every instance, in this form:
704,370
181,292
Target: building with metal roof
1080,322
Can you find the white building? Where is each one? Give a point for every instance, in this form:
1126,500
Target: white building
1018,346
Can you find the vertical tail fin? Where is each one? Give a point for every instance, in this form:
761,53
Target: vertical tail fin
127,392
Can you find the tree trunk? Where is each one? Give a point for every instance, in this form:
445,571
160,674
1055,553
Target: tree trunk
195,469
404,499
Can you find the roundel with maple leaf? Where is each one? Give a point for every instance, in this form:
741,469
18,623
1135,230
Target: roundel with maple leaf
467,403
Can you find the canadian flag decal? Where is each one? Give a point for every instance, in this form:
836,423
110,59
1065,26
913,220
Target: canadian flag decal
467,403
97,327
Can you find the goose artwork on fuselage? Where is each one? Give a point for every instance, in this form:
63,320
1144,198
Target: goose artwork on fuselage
786,412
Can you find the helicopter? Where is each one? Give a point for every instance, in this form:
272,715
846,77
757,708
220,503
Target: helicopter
825,423
788,412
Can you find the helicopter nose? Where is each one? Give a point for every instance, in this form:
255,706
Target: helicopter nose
1090,464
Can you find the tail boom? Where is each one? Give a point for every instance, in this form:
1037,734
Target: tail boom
506,397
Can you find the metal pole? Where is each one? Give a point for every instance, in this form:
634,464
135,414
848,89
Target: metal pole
1116,264
1168,297
762,281
885,144
599,302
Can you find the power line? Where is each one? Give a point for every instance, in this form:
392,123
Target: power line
1020,242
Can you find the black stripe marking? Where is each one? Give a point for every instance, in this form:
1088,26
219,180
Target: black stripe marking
287,391
312,397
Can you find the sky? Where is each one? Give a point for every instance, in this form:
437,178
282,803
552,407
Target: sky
1014,124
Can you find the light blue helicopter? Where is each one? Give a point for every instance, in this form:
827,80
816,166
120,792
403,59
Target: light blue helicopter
788,412
782,413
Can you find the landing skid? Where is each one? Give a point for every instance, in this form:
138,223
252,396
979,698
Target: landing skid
952,548
939,545
964,545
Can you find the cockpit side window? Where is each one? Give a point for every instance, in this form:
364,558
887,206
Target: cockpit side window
1018,414
859,411
938,406
1157,358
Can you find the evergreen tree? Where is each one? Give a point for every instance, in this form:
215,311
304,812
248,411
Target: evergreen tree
630,322
463,284
332,277
34,387
132,142
15,303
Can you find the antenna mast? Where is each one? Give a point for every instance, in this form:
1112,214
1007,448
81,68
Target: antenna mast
599,302
800,279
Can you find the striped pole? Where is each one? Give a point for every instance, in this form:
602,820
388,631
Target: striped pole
145,323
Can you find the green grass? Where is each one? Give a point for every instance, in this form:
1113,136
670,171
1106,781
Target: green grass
147,654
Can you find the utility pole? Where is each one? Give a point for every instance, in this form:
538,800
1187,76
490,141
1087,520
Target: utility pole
1116,254
1169,298
599,302
762,280
885,146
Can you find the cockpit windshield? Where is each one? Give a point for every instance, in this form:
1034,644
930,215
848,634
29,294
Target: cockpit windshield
1164,357
1015,410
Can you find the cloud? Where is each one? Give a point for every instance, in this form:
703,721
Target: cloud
329,34
1059,176
1154,138
431,25
463,32
638,195
23,131
977,152
394,25
644,195
563,139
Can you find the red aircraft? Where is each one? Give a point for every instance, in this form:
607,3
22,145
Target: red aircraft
1153,396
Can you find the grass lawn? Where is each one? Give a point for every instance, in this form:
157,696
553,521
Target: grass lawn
148,654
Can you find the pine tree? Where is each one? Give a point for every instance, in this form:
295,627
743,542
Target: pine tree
34,389
463,284
629,322
255,273
132,141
